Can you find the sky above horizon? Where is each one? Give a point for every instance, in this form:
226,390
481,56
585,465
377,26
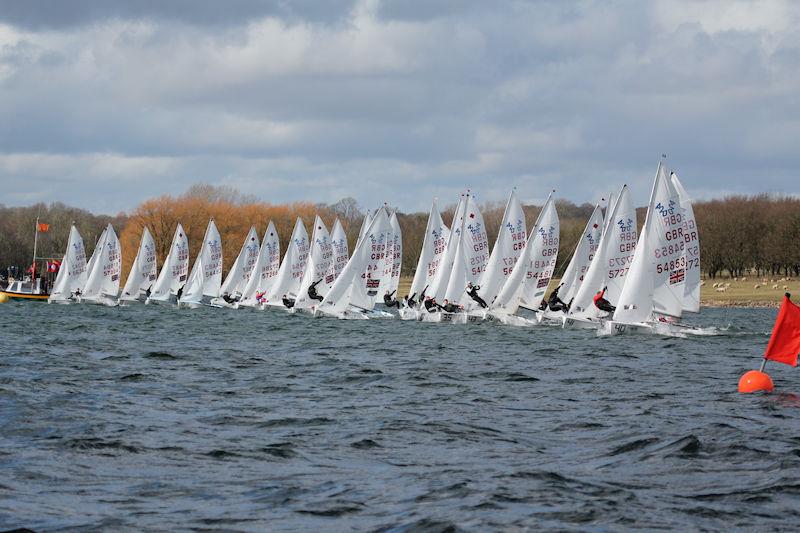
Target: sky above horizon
106,103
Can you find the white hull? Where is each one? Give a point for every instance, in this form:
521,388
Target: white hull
511,320
582,323
102,299
666,329
407,313
170,301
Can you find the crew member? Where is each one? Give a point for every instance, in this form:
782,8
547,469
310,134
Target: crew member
472,290
312,291
430,304
410,302
449,307
555,303
603,304
389,301
288,302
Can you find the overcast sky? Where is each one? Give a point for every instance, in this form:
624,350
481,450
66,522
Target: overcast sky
105,103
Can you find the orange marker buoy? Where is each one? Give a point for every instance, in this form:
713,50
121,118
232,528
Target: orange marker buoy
754,381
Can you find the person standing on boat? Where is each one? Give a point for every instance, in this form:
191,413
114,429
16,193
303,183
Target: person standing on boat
472,291
601,303
389,301
312,291
555,303
288,302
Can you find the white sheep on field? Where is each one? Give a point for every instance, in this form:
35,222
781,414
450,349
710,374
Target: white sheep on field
785,288
722,289
744,279
702,283
727,285
757,286
735,279
775,287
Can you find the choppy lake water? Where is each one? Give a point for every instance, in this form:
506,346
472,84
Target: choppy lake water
147,418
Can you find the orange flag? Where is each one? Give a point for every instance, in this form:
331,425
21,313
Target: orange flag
784,345
43,228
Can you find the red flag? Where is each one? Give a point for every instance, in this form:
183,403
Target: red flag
43,228
53,266
784,345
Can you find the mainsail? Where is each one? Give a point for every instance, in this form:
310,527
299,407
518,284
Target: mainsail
691,302
438,285
655,282
239,274
72,274
206,276
582,256
103,279
174,270
508,247
265,270
430,257
612,260
340,253
531,274
472,253
290,273
143,272
319,261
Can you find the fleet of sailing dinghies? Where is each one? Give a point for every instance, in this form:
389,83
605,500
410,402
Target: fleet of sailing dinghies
617,280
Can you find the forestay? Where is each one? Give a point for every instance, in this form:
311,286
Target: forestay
508,247
265,270
319,261
430,257
290,273
72,274
175,269
206,277
239,274
144,269
612,260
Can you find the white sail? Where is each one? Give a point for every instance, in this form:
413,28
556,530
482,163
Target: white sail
265,270
528,280
430,257
72,273
103,280
438,285
206,277
471,254
320,257
508,247
175,269
144,269
341,253
365,223
691,302
239,274
358,282
290,273
394,257
655,282
612,260
95,255
582,256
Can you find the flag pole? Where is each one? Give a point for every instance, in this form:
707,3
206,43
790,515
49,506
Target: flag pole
35,242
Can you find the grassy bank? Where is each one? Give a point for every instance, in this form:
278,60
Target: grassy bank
729,292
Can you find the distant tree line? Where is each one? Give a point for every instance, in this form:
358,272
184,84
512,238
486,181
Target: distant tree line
739,234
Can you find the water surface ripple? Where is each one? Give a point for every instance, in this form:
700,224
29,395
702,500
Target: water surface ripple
147,418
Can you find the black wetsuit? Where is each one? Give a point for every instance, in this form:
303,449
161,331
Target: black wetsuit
389,301
410,301
312,291
473,293
555,303
450,308
431,305
227,298
288,302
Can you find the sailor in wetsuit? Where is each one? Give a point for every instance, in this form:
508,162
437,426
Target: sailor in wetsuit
430,304
312,291
410,301
555,303
449,307
389,301
472,290
288,302
603,304
227,298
